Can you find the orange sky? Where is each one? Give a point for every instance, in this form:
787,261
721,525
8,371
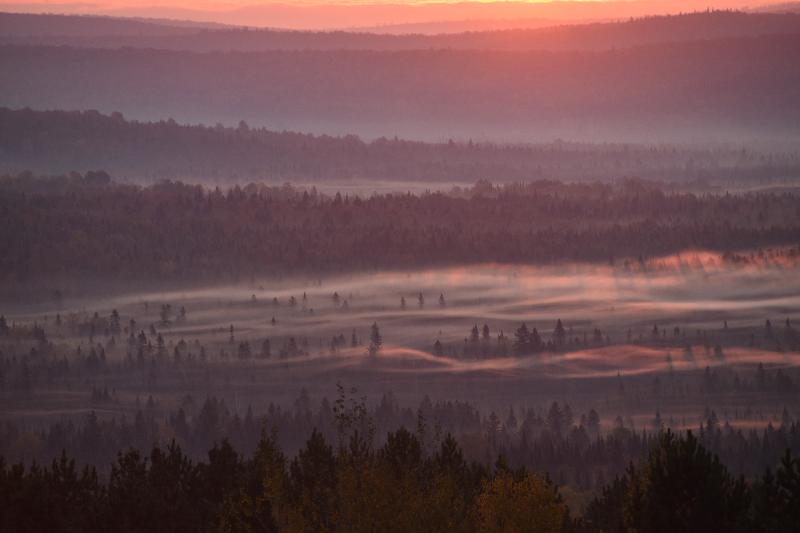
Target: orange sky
326,14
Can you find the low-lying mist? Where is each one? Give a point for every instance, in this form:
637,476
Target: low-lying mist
676,314
678,341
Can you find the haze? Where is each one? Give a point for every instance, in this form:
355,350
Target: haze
400,266
391,15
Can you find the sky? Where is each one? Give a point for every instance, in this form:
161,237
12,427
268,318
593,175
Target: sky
344,14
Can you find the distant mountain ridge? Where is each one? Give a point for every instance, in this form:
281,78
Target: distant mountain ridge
323,15
44,26
102,32
784,7
435,27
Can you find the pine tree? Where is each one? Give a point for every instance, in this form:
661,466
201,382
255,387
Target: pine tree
522,340
437,348
375,340
560,334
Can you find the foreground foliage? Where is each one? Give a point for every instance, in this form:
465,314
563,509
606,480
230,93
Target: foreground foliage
680,487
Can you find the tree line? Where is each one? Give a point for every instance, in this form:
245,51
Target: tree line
85,225
356,486
579,450
55,142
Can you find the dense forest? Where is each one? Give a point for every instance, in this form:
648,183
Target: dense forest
577,449
107,32
85,225
398,486
56,142
684,91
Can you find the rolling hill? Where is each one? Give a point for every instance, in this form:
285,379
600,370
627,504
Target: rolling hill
106,32
725,89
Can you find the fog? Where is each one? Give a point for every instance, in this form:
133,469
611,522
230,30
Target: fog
712,301
693,289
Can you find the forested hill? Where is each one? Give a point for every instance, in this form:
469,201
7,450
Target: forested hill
687,92
87,226
56,142
44,26
105,32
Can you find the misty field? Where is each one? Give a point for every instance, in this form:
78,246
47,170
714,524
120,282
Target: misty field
635,334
